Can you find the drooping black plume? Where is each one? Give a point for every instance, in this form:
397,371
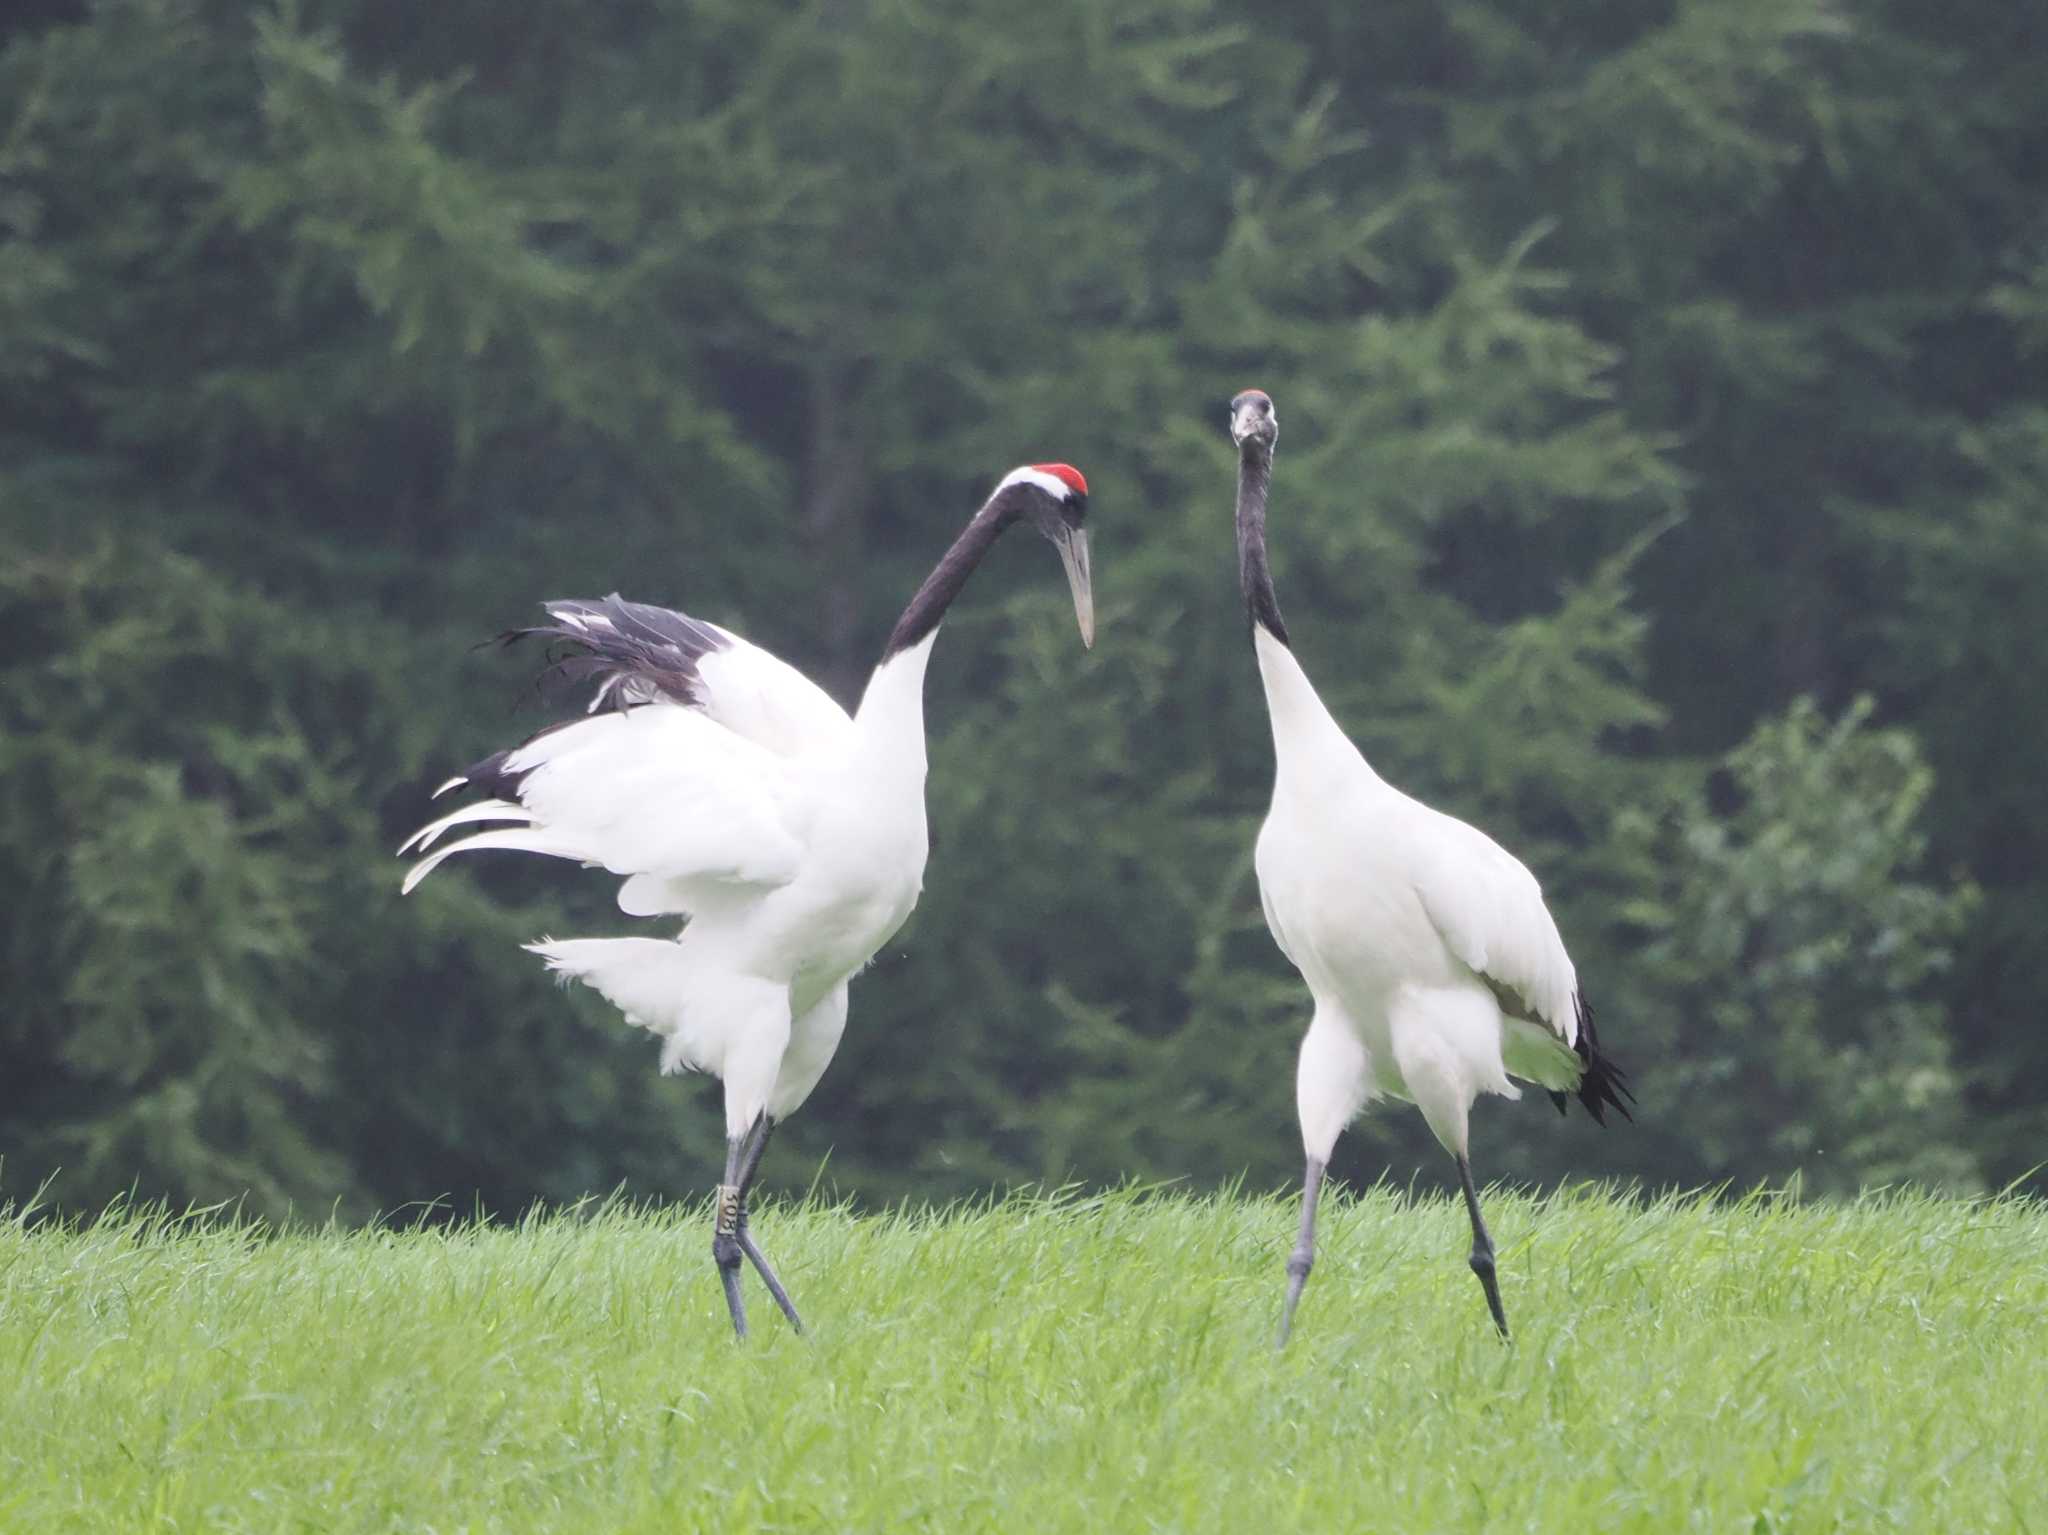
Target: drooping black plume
1603,1084
633,651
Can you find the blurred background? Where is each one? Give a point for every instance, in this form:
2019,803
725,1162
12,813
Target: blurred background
1665,423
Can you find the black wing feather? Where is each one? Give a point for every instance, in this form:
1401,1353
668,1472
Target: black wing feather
633,651
1602,1084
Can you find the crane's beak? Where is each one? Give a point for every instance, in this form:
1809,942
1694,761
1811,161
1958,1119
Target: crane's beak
1244,422
1073,547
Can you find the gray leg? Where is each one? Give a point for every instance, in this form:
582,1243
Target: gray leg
760,1261
1303,1257
1482,1248
725,1231
764,1127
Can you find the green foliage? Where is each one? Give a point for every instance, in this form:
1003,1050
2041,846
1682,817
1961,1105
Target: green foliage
1796,945
1056,1364
189,776
161,935
1642,371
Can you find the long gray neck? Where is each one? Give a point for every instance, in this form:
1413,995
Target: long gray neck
928,607
1254,479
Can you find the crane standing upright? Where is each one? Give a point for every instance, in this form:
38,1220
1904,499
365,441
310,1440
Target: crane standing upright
1436,970
730,790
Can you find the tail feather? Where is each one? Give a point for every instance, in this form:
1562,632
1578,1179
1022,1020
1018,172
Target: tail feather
516,839
1602,1082
647,979
483,810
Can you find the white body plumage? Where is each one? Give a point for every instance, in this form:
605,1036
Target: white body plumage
1436,970
791,836
1395,914
725,788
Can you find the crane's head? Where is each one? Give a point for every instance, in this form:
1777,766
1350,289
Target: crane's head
1054,499
1252,420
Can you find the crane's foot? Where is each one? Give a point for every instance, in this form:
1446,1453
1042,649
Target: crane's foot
1297,1276
1482,1265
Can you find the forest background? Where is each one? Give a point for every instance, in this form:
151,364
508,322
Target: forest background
1664,427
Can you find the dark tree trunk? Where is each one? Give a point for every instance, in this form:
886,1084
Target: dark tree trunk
835,494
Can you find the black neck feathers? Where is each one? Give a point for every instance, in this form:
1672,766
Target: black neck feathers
1254,479
928,607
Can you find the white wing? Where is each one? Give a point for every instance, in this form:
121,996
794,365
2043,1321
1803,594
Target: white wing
764,698
660,793
1273,926
685,776
1489,911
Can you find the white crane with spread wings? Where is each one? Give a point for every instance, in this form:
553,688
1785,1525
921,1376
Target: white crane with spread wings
726,788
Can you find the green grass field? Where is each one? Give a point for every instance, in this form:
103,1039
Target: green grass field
1056,1364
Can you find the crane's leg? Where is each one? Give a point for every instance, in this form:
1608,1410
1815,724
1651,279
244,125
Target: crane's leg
1482,1247
1303,1258
756,1028
758,1138
1332,1079
726,1224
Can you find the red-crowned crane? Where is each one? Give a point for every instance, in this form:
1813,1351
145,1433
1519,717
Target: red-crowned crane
1435,968
728,789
